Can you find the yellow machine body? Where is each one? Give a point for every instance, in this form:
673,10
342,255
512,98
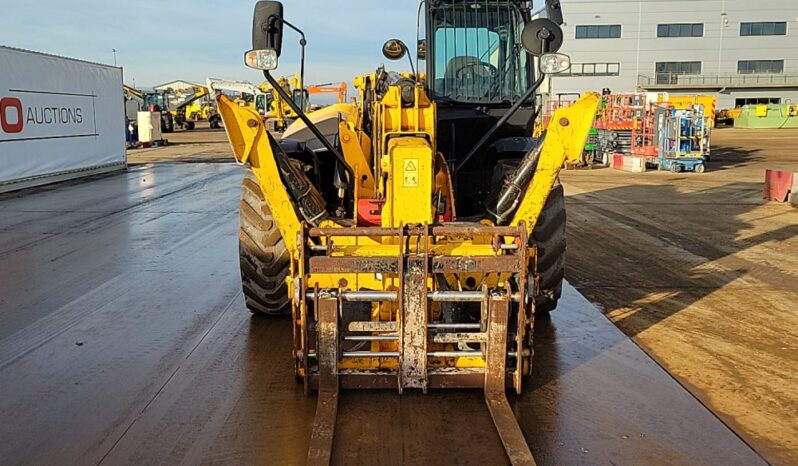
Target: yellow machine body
389,283
401,166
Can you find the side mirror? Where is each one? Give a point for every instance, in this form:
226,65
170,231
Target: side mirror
422,49
267,36
541,36
394,49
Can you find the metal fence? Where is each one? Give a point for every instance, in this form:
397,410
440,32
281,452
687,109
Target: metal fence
593,69
676,80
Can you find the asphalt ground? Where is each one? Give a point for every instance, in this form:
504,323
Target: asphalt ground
702,273
124,338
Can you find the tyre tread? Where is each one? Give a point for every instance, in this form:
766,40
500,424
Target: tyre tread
263,258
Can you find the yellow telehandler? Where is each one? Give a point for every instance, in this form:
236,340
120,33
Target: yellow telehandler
414,242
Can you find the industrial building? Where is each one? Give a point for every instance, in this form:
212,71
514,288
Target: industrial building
177,86
743,51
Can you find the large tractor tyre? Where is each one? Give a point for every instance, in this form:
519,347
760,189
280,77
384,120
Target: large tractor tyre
263,257
549,237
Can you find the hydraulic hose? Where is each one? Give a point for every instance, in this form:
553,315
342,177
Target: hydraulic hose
312,127
503,205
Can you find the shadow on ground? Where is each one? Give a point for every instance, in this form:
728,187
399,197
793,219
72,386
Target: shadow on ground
670,240
702,273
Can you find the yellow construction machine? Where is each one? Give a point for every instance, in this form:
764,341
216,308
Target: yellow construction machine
415,243
280,114
179,108
176,110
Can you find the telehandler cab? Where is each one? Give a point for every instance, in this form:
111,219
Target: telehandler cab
413,243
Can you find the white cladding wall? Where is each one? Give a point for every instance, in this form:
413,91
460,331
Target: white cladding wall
639,49
58,115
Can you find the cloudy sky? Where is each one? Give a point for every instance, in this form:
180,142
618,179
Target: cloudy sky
159,41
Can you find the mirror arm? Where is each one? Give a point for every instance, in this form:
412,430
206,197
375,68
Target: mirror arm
412,68
478,147
421,5
302,42
312,127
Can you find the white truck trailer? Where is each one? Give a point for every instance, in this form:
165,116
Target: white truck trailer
60,118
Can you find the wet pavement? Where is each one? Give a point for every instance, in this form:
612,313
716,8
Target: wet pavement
124,340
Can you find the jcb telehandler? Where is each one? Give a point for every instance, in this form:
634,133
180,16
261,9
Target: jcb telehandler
413,246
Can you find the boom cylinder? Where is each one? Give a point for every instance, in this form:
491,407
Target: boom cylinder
503,205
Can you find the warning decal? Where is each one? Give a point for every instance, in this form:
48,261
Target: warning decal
410,173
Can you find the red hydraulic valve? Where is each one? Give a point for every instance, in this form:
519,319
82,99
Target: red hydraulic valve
369,212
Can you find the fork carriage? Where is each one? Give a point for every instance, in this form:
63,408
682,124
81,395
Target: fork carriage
411,307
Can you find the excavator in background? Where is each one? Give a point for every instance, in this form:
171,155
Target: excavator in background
173,107
415,244
262,98
136,101
277,112
329,88
200,110
280,114
247,95
179,106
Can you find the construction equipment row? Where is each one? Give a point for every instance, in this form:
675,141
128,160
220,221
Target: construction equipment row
669,132
176,110
183,109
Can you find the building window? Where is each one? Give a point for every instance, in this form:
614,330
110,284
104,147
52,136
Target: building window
593,69
668,72
756,101
770,28
680,30
606,31
760,66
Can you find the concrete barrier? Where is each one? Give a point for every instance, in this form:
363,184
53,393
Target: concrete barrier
778,184
629,163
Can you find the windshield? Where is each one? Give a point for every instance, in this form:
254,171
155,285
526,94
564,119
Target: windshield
263,102
477,51
154,99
